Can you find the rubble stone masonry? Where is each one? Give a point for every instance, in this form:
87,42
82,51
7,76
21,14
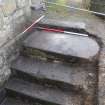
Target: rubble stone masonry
14,15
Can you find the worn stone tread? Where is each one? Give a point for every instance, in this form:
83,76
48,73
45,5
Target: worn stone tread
63,75
67,25
39,92
63,44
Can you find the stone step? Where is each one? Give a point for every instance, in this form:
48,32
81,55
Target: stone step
55,74
58,45
41,94
73,26
14,101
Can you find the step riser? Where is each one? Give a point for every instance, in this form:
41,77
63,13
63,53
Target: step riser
47,82
12,100
12,93
2,95
50,56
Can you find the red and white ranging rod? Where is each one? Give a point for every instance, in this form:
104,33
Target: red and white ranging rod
61,31
34,23
51,29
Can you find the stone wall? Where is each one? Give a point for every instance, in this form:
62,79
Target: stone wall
14,18
86,4
98,5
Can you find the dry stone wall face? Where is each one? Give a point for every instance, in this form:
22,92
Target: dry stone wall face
14,15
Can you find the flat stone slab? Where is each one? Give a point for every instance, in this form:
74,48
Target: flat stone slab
43,94
64,76
64,44
63,24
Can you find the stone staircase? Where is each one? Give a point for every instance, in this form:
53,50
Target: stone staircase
54,69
